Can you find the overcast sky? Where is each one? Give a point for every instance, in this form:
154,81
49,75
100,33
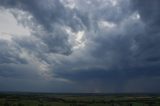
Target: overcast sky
109,46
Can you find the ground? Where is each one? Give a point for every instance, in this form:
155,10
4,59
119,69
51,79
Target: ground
64,99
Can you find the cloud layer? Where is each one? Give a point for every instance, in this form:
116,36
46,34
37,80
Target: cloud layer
80,45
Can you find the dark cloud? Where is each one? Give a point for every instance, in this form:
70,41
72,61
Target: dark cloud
50,17
41,12
115,80
149,15
20,71
148,42
93,46
8,53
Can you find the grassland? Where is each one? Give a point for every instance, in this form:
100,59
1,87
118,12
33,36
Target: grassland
52,99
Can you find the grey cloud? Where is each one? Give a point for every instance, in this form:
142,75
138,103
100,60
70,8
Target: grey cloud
10,53
47,16
20,71
121,43
37,9
148,42
143,85
131,46
149,15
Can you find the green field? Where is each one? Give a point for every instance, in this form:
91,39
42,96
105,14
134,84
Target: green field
50,99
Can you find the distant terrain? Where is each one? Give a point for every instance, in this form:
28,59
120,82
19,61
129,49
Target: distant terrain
77,99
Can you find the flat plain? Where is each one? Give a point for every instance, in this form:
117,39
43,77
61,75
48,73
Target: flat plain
77,99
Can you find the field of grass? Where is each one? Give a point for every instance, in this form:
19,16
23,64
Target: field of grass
48,99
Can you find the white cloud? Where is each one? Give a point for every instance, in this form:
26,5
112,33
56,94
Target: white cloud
106,24
69,3
9,25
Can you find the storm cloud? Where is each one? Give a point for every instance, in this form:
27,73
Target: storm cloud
80,45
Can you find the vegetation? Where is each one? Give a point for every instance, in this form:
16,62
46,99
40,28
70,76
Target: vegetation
39,99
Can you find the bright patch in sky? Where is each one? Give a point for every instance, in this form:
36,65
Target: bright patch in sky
9,25
69,3
114,2
136,16
80,40
106,24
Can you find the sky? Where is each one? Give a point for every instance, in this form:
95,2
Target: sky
85,46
